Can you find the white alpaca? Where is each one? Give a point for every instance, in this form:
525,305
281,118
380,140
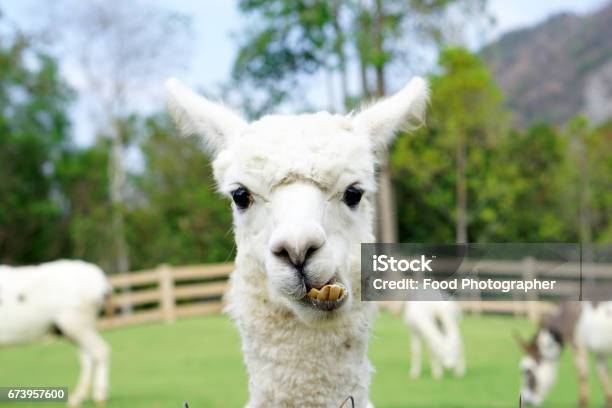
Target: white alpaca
302,189
66,295
436,324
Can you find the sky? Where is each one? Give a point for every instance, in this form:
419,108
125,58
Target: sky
216,22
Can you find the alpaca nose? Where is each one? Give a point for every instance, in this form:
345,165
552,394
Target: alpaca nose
297,247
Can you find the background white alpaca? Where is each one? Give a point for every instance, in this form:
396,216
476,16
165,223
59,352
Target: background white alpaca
62,294
302,188
435,324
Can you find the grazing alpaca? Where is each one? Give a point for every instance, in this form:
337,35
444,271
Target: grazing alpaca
585,326
64,295
302,188
436,324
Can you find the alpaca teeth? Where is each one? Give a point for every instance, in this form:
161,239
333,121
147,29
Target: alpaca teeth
313,293
334,292
327,293
323,293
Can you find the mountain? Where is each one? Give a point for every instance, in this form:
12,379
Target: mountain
557,69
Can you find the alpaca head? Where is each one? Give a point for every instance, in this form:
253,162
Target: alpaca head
302,190
539,365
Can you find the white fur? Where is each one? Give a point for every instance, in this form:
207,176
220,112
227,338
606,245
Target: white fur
297,168
594,328
67,294
405,110
436,324
196,116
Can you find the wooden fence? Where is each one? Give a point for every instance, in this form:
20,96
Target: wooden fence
535,302
571,283
169,292
166,293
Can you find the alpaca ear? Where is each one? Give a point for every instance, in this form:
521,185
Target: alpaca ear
195,115
523,344
404,110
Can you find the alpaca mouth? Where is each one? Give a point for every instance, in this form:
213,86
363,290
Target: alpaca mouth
327,297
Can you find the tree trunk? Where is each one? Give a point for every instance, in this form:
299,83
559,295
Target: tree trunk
364,32
387,212
387,216
387,219
461,223
378,38
584,200
363,74
117,179
329,87
340,54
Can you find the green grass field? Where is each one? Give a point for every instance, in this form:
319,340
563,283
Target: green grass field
199,360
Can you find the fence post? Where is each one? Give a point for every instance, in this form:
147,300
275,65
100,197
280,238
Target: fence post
477,296
166,286
529,273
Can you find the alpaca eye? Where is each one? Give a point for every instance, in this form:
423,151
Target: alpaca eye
352,196
242,197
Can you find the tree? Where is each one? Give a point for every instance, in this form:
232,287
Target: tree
290,39
33,131
465,123
598,145
591,173
118,48
533,167
184,220
578,129
81,178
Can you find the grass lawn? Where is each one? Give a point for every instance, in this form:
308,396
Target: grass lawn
199,360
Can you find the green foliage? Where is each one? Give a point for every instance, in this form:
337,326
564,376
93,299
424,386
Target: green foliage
33,129
293,39
465,99
588,181
532,173
178,217
287,40
599,156
538,185
466,112
172,214
82,177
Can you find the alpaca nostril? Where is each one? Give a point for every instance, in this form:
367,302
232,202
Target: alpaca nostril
282,253
310,251
297,258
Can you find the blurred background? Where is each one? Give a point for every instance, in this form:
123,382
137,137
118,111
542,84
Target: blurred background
517,145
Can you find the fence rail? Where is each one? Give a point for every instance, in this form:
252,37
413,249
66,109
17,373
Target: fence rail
169,292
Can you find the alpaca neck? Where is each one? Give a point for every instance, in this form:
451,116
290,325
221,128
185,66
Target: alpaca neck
291,363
